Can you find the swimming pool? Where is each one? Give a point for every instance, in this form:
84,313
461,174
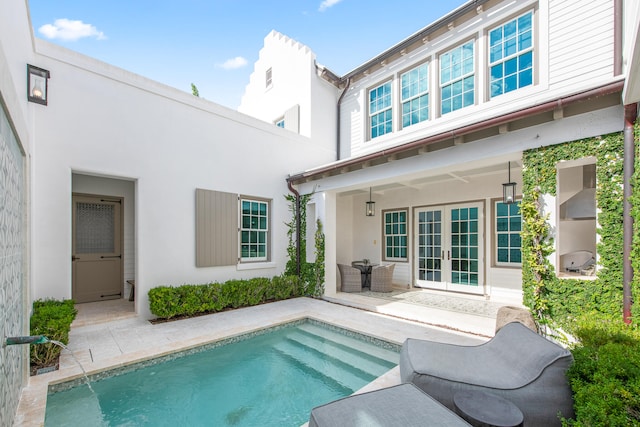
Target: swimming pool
272,377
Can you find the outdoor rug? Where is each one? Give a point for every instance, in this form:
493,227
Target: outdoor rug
443,302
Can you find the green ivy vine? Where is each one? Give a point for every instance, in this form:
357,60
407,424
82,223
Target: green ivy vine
311,273
554,300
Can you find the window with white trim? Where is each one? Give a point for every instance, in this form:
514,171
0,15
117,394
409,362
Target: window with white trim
511,55
395,235
380,111
268,78
414,95
254,230
280,123
508,240
457,78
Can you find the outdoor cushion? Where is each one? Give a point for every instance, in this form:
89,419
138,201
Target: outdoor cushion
402,405
516,364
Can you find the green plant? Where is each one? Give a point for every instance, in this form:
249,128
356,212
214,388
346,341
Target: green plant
605,376
51,318
307,273
319,264
560,301
168,302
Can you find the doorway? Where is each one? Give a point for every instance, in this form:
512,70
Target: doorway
449,247
97,258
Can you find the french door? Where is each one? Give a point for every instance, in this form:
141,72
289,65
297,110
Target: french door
449,247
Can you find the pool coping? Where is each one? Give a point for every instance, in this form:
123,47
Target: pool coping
32,406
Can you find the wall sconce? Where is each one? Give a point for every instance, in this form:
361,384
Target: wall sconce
370,208
37,84
509,190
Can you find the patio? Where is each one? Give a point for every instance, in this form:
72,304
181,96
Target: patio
104,341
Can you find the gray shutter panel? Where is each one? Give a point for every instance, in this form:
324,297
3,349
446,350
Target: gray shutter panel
216,228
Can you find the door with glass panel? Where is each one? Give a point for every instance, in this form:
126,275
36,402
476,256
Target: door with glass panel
449,247
96,257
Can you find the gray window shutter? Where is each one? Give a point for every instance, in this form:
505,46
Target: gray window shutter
216,228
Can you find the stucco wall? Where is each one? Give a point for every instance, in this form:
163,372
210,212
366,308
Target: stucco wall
104,121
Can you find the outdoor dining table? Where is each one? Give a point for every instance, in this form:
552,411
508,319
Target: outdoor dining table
365,270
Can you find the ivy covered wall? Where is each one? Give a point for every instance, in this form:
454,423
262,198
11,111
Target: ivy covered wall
555,300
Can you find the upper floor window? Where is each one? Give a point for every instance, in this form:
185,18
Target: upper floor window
414,92
508,240
280,123
457,80
395,235
254,230
380,112
511,55
268,78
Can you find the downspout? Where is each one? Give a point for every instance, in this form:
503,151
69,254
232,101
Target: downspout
298,221
630,115
338,147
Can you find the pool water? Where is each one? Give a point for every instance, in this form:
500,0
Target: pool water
274,378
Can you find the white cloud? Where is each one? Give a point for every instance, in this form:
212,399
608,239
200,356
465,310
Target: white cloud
234,63
326,4
68,30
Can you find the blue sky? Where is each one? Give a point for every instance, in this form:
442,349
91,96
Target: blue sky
214,43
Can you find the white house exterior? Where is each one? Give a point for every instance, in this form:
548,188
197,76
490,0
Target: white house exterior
436,172
159,161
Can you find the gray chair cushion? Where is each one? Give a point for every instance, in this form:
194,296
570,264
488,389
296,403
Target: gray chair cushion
517,364
403,405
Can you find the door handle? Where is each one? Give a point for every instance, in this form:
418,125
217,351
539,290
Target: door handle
73,257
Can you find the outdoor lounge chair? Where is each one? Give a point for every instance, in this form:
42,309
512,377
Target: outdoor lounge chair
350,278
517,364
382,278
402,405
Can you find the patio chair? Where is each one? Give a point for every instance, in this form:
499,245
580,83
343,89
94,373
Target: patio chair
517,364
350,278
382,278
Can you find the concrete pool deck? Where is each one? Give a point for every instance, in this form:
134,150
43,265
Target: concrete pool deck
111,344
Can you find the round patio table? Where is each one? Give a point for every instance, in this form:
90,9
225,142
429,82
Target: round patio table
365,270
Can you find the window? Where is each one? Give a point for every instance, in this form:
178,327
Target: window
231,228
395,235
414,89
511,55
508,240
380,113
457,83
268,78
280,123
254,229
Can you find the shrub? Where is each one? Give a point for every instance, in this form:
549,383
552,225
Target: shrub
167,302
52,319
605,376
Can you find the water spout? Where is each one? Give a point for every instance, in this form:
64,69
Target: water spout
41,339
33,339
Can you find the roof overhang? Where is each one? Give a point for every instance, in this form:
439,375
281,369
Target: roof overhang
478,130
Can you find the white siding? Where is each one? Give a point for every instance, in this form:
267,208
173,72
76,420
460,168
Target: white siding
580,42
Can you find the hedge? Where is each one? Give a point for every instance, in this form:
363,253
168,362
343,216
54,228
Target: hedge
51,318
605,377
167,302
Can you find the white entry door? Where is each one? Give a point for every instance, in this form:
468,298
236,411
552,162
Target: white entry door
449,247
